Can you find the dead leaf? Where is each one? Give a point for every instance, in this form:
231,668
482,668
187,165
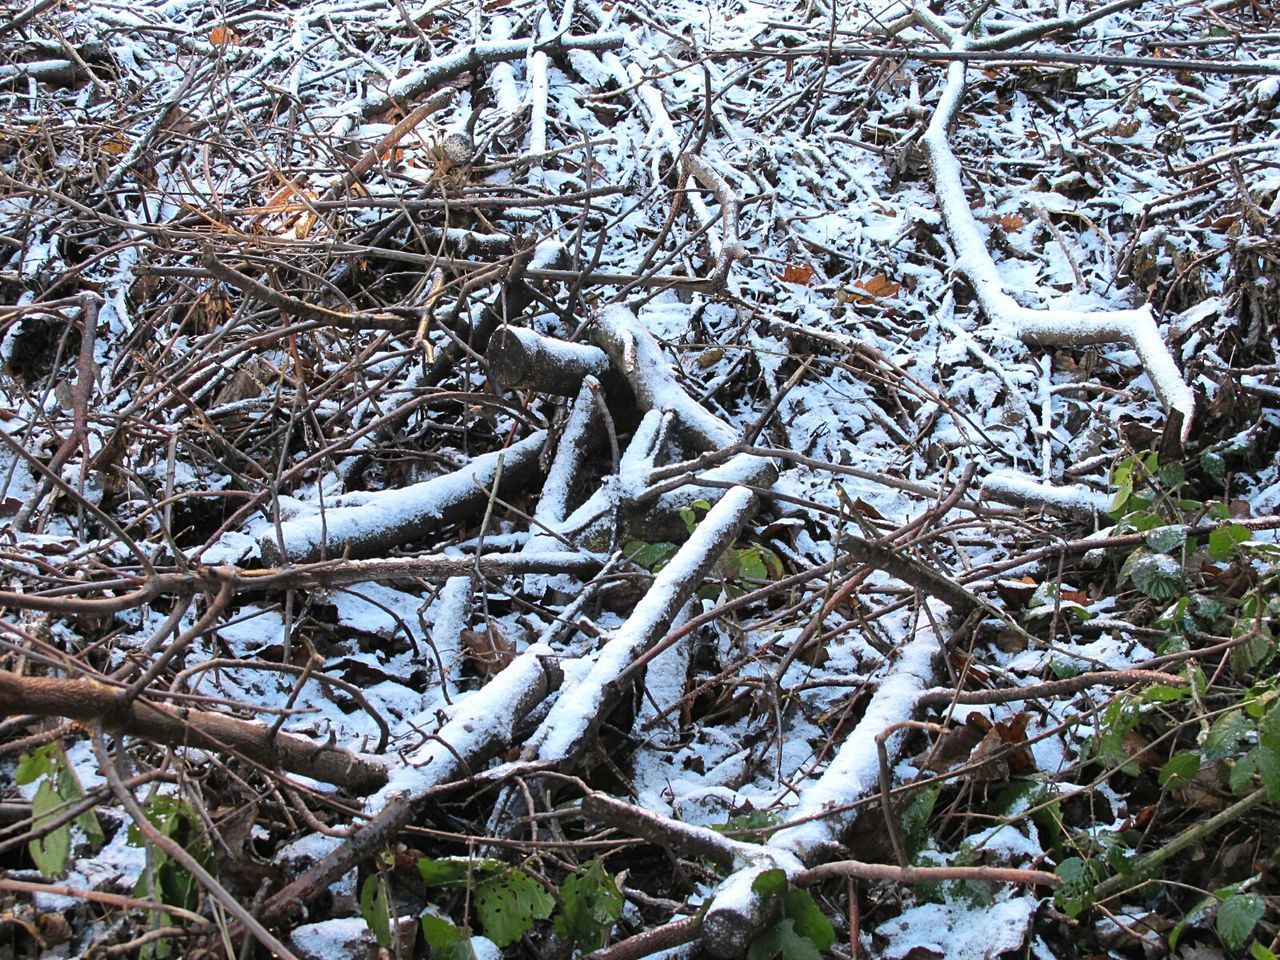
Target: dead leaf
1010,222
1126,127
1016,593
866,509
710,357
798,273
222,35
489,650
878,287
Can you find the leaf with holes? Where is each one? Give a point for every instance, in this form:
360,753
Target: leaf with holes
508,905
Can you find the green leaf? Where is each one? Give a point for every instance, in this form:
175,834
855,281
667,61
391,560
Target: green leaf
1157,575
651,556
1223,541
782,941
1165,539
915,817
507,906
1259,952
446,941
1224,737
1074,894
1172,475
770,883
810,921
748,564
1237,917
33,766
1213,464
453,871
1262,761
51,851
1164,693
591,906
375,909
747,823
1180,770
689,517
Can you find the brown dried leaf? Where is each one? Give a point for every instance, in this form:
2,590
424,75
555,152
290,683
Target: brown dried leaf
800,274
1011,222
222,35
489,650
878,287
1016,593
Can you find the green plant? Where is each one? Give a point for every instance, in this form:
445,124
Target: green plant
508,901
375,902
165,879
739,567
59,788
802,933
590,904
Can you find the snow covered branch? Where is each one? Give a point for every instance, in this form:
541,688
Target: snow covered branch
1135,328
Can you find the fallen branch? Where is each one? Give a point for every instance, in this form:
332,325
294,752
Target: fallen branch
730,248
524,360
1051,327
883,871
569,727
482,723
368,523
823,813
91,700
1069,500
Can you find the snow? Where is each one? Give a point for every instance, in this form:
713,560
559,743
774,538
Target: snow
360,517
855,771
958,931
570,717
1031,350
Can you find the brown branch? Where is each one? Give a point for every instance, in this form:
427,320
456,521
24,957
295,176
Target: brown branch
92,700
1051,688
674,933
884,871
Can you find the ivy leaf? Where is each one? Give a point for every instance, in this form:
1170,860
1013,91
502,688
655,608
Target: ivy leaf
1180,770
1237,917
33,766
1078,880
508,905
592,905
652,556
375,909
810,922
1223,541
1223,738
446,941
783,941
51,851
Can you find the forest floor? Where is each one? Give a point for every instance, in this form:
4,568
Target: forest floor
767,477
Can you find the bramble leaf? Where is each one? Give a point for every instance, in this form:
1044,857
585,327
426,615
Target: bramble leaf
1237,917
592,904
507,906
